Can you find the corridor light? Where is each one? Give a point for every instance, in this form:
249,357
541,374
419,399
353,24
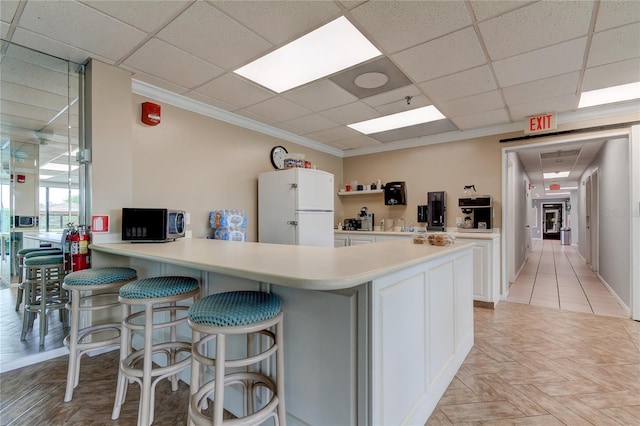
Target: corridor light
554,175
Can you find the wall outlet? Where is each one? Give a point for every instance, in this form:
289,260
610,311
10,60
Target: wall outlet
188,234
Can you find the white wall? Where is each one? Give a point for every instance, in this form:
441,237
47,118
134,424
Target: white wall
612,165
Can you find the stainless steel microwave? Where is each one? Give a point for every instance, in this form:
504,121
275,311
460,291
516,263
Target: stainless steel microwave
25,221
152,225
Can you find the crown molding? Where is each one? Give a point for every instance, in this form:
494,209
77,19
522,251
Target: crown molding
147,90
586,114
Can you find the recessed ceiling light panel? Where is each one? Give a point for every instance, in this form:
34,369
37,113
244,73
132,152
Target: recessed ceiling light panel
610,95
554,175
331,48
398,120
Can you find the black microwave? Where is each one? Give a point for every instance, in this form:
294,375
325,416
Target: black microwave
152,225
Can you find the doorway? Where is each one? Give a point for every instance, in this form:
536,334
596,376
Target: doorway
552,221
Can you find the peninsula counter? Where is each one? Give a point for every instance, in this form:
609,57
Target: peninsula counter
374,333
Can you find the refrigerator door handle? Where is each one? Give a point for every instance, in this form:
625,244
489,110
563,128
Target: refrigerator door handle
292,222
294,185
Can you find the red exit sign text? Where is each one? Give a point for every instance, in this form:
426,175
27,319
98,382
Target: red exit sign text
541,123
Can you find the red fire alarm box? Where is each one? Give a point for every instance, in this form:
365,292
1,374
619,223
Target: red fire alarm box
150,113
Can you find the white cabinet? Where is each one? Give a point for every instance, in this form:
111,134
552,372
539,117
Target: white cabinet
355,240
486,267
340,240
352,239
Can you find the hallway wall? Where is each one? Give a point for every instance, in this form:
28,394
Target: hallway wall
612,165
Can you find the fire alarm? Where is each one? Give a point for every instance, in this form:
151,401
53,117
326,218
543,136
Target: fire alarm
150,113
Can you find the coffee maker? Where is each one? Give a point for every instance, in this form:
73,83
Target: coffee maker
366,220
478,213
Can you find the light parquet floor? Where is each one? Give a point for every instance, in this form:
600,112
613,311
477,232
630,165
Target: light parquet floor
534,365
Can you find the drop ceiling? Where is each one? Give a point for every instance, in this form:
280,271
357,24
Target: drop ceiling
483,64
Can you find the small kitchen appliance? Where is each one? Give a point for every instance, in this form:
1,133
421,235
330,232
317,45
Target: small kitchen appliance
366,220
150,225
25,221
436,211
478,213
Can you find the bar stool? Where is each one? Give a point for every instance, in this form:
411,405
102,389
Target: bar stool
236,313
92,290
43,292
20,255
158,296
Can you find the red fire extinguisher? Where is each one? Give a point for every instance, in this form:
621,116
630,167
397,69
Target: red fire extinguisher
80,249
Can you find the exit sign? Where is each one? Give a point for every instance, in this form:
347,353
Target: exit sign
541,123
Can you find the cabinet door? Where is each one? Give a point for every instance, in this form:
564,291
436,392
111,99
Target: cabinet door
363,239
340,241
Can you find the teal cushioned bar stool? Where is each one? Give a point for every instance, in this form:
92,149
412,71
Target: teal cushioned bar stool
250,313
157,296
91,291
20,256
43,292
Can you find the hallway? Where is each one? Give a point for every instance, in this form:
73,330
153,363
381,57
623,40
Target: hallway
556,276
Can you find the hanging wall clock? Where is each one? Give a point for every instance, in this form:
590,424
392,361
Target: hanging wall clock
277,156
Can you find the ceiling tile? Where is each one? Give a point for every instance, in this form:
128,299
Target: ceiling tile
164,61
547,62
542,89
210,101
434,59
139,13
401,105
311,123
560,103
77,25
265,17
361,141
482,119
155,81
278,109
55,48
351,113
536,26
256,117
611,74
615,45
459,85
392,96
336,134
394,26
8,10
30,95
17,71
320,95
234,90
211,35
616,13
488,9
4,30
472,104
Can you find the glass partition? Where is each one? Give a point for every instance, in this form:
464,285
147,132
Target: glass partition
40,136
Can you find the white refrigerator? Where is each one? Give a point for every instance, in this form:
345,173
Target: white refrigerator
295,206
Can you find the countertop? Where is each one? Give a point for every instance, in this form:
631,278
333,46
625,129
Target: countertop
454,233
304,267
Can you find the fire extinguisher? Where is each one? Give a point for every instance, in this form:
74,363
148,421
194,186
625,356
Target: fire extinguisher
66,246
80,249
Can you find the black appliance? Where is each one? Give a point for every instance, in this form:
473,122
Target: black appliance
478,211
152,225
436,211
395,193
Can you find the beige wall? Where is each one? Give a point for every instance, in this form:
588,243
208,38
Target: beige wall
442,167
196,163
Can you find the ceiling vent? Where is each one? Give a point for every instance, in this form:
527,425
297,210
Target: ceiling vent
560,153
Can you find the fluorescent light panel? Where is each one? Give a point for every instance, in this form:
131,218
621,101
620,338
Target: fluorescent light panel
57,167
398,120
610,95
555,175
331,48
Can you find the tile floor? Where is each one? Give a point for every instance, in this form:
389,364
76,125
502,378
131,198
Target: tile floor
556,276
530,365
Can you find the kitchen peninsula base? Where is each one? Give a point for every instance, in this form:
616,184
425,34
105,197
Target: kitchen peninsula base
370,342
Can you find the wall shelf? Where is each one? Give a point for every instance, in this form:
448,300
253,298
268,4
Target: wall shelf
371,191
